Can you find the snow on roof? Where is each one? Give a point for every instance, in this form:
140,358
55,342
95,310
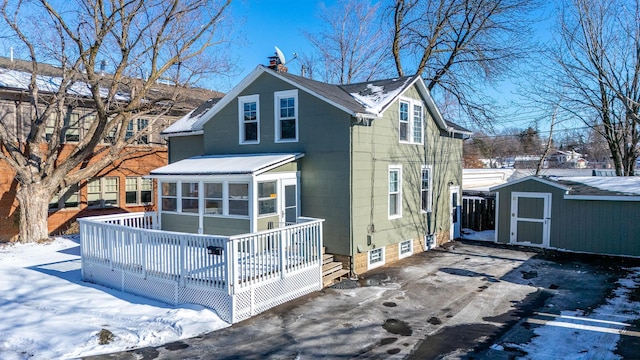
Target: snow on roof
185,123
376,94
21,79
621,184
238,164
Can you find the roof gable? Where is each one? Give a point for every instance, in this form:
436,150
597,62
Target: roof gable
361,100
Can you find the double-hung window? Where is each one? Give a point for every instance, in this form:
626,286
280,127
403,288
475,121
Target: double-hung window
103,192
267,198
425,189
71,129
169,196
138,191
286,116
136,126
249,119
68,197
395,191
190,197
411,121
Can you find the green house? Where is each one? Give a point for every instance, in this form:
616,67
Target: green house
376,160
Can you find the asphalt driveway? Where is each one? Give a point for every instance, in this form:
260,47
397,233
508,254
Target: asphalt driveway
466,300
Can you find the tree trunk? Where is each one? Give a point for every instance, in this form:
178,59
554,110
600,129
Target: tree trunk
33,201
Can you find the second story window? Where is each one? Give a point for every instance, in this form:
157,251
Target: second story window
249,119
411,121
71,129
135,126
286,116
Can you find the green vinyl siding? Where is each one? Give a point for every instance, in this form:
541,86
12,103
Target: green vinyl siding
323,136
225,226
183,147
378,146
592,226
179,223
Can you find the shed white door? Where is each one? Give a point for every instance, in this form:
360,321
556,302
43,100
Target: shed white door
454,212
530,218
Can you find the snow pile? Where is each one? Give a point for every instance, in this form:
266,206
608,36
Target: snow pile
594,335
49,313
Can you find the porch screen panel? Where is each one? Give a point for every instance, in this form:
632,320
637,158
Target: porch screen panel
239,199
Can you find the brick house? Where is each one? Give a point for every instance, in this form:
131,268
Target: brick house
118,188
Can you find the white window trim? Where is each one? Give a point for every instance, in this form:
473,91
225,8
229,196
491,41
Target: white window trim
376,264
410,130
399,201
400,254
139,181
241,135
201,197
430,199
276,115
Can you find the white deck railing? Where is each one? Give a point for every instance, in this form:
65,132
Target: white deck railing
127,252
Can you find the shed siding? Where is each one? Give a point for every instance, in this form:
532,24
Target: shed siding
324,138
593,226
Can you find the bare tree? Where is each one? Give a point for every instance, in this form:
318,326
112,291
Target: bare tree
350,46
460,46
598,58
142,41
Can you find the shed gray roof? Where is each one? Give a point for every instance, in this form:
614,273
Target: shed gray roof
367,99
587,186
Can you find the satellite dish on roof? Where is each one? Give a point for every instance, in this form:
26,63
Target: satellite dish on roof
280,56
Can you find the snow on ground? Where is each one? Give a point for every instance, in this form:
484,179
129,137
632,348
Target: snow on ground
592,336
487,235
49,313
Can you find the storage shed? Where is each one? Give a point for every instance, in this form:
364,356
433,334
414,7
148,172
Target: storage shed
598,215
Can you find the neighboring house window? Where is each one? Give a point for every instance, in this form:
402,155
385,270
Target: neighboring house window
425,189
267,198
249,119
404,121
102,192
169,196
138,191
286,115
395,192
405,248
213,199
239,199
67,198
189,197
71,129
411,122
375,258
135,126
50,127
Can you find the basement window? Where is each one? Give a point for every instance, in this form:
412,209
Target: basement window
375,258
405,249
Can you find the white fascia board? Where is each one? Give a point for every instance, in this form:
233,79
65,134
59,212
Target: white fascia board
229,97
602,198
532,177
183,133
273,166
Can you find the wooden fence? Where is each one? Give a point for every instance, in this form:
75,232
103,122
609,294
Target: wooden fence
478,213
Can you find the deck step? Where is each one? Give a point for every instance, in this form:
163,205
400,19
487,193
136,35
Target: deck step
329,279
327,258
331,267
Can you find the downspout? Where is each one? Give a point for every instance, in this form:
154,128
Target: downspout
351,234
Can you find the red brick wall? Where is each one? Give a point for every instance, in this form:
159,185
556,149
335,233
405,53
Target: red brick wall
60,220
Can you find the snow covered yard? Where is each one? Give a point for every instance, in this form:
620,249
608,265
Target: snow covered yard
49,313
